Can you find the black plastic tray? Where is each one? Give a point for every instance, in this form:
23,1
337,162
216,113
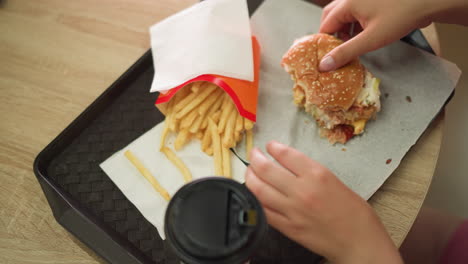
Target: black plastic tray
88,204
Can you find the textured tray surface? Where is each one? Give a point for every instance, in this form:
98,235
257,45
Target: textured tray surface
76,172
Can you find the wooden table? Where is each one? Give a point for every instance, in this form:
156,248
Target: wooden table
56,58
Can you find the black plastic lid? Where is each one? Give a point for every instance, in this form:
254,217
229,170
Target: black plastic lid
214,220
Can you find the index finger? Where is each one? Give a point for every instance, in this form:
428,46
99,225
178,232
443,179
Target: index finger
292,159
336,19
270,172
327,9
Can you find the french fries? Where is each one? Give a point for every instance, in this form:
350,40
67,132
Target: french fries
248,124
164,136
225,114
203,111
248,143
239,123
213,110
217,151
228,137
178,163
209,151
195,102
147,174
206,141
181,139
199,135
226,162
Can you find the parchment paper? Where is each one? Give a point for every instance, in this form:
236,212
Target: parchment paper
404,71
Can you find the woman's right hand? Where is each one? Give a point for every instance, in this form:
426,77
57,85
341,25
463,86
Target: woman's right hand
309,204
382,22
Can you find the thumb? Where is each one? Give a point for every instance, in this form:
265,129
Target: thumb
365,41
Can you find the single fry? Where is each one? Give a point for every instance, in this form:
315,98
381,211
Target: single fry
147,174
239,123
227,163
199,135
174,125
182,93
249,142
248,124
170,107
205,105
212,110
228,107
167,121
178,163
217,152
216,104
196,124
216,116
183,102
181,139
195,102
206,141
178,97
228,136
188,120
196,86
171,122
164,135
209,151
237,136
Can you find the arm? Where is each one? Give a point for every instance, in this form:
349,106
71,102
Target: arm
309,204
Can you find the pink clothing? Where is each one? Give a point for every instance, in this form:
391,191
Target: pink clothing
456,251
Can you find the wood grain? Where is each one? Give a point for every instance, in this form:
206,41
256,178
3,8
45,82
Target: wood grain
56,57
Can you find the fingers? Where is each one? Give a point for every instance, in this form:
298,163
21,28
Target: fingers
292,159
349,31
327,9
366,41
275,204
270,172
276,219
265,193
336,18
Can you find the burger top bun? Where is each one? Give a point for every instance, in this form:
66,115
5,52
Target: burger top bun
334,90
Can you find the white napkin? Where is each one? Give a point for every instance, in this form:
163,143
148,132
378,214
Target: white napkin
211,37
140,192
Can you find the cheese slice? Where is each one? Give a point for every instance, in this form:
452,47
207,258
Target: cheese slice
359,126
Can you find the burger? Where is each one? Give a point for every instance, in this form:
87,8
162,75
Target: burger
341,101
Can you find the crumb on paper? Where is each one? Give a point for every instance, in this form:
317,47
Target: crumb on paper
307,121
343,149
408,99
388,161
386,95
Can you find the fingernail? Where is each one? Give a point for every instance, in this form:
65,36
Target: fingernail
327,64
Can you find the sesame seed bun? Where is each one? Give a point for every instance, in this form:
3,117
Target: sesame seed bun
334,90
